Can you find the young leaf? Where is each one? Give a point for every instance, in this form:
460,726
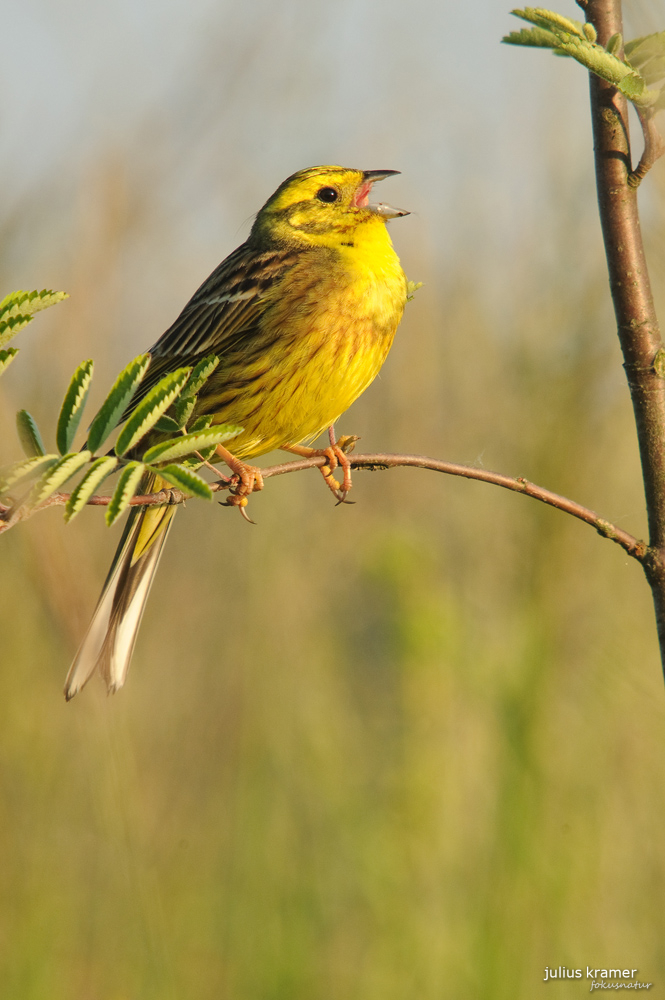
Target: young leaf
26,467
98,471
200,375
150,409
6,358
569,37
58,475
125,489
614,45
28,434
185,480
73,405
116,402
189,443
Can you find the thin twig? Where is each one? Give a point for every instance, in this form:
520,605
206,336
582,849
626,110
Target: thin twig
654,146
633,546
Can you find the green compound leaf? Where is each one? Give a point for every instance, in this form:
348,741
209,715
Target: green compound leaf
200,375
185,480
28,434
6,358
17,309
189,443
150,409
97,472
73,406
26,467
58,475
128,480
111,410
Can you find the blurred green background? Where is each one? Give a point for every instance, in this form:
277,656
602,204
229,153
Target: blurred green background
411,748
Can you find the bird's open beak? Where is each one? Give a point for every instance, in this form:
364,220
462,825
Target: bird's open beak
362,194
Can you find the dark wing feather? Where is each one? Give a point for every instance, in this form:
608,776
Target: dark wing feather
227,304
222,313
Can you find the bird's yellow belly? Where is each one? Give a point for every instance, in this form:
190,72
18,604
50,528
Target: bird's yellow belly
305,380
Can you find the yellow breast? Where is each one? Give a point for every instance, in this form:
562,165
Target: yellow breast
327,332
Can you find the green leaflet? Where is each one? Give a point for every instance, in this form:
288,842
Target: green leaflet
125,489
28,434
189,443
17,309
118,399
98,471
29,302
58,475
183,409
201,422
184,406
73,406
26,467
200,375
535,37
150,409
185,480
167,424
194,462
634,88
6,358
10,327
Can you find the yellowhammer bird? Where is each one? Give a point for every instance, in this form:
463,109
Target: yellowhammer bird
302,317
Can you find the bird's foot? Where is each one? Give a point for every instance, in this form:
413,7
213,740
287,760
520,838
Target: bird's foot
336,455
246,480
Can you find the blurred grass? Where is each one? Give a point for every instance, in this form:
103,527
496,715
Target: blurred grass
409,748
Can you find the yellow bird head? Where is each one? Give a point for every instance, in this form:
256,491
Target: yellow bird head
322,205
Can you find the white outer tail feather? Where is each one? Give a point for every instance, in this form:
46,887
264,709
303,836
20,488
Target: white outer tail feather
109,642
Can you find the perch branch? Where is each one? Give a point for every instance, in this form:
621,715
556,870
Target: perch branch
633,546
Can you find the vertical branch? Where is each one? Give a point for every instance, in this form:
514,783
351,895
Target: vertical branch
637,324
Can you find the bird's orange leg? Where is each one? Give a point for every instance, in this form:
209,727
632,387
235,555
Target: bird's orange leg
336,454
249,480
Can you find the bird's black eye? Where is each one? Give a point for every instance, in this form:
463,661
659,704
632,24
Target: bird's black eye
327,194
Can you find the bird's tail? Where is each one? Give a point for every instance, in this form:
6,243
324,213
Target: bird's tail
109,642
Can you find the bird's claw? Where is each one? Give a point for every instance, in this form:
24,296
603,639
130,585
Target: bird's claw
246,480
335,455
